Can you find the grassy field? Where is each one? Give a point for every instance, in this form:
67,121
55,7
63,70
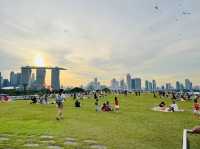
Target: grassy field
136,126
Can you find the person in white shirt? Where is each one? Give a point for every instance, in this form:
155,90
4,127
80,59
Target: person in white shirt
173,107
59,101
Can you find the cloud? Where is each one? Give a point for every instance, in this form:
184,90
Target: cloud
102,38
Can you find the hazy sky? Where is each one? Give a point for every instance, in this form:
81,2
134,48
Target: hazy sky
151,39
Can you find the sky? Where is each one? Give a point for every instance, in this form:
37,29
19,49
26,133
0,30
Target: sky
151,39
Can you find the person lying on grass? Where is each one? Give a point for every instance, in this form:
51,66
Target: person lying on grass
196,130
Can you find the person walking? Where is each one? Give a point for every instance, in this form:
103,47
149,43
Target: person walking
116,104
59,101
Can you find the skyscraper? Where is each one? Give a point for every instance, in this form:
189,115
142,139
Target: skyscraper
128,81
178,86
146,85
40,78
6,83
122,85
154,85
114,84
55,79
150,86
19,80
188,84
1,78
12,79
25,76
136,84
168,86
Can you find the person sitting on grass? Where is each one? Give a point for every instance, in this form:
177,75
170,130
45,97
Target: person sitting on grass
103,108
34,100
116,105
173,107
77,103
162,105
108,106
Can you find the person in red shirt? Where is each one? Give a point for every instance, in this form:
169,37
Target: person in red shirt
196,105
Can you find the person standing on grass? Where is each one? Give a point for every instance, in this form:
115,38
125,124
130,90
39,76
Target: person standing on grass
97,105
116,104
59,101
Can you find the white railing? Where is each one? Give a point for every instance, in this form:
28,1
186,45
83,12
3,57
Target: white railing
186,144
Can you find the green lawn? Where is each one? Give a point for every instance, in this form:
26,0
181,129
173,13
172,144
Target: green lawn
134,127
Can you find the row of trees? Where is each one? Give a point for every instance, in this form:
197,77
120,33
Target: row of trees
14,92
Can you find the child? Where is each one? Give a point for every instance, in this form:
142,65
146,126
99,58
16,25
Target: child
116,105
196,107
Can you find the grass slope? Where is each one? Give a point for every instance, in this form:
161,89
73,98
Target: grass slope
134,127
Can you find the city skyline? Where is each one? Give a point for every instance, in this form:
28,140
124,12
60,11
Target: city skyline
103,39
27,79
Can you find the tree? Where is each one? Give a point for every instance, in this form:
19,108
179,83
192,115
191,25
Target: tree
77,90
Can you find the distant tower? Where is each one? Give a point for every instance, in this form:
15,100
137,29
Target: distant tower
40,77
128,81
178,86
26,76
12,78
1,78
154,85
188,84
146,85
55,79
136,84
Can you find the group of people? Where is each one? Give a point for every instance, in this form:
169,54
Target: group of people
172,108
106,107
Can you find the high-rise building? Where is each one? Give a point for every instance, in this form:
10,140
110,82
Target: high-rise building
178,86
19,80
13,79
114,84
6,83
1,79
188,84
154,85
55,79
122,85
40,78
150,86
146,85
136,84
128,81
168,86
25,76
